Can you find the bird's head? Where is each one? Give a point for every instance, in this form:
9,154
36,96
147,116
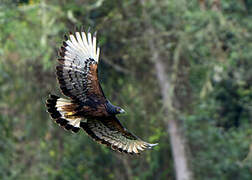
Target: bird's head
119,110
114,109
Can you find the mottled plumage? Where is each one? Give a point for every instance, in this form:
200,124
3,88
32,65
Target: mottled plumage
88,108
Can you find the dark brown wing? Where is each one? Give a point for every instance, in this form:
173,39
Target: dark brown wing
110,132
78,70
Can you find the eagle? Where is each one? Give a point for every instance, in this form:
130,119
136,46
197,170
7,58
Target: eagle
87,107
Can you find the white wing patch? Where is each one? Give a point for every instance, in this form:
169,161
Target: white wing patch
82,46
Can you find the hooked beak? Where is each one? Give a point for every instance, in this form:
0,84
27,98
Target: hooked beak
122,111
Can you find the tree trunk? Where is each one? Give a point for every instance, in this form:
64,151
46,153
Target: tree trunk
167,86
216,6
202,4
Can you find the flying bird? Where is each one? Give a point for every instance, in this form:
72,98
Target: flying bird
87,107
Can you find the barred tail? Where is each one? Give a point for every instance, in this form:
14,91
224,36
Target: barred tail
62,111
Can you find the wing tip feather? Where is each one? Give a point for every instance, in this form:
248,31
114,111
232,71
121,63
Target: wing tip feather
127,146
87,47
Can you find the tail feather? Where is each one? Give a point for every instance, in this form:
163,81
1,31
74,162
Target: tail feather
62,111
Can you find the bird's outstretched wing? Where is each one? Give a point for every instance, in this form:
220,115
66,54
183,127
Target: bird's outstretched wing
77,72
109,131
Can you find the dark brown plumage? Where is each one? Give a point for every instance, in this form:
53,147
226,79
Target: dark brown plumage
77,74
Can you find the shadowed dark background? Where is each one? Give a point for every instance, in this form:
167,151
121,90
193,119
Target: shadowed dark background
181,69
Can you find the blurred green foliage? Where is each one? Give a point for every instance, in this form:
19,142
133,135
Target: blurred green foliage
216,94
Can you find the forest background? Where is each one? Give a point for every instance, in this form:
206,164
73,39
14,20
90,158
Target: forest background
181,69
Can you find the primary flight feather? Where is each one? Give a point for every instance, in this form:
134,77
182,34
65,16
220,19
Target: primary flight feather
88,108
